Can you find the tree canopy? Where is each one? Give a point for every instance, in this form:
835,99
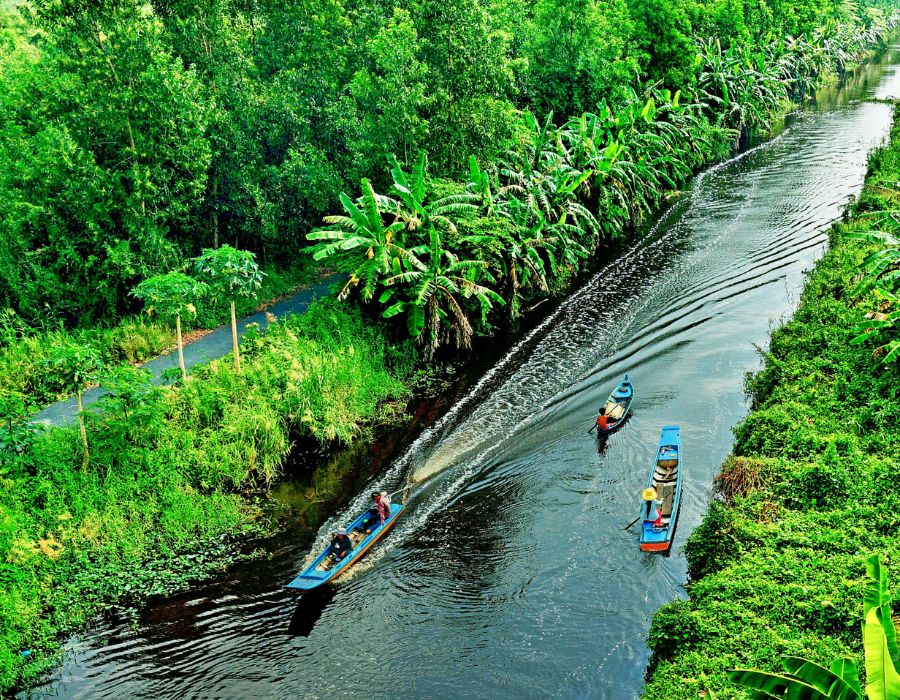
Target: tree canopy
134,135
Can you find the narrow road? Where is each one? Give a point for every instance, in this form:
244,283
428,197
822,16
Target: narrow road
211,346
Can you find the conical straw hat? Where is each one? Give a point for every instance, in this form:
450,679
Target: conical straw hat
649,494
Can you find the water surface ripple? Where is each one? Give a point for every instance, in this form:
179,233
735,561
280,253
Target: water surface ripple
510,576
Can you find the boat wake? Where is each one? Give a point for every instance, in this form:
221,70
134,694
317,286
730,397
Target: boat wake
577,345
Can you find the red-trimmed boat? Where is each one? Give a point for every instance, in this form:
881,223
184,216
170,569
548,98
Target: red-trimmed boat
662,497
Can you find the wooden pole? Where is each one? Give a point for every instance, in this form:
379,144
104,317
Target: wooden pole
234,339
84,440
180,347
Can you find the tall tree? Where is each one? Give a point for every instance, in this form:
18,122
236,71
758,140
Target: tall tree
134,168
170,296
216,39
663,39
391,90
578,54
472,78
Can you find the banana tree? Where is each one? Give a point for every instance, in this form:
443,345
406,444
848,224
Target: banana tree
479,184
748,89
881,277
433,295
230,273
881,268
883,325
170,296
806,680
528,169
361,228
412,204
520,252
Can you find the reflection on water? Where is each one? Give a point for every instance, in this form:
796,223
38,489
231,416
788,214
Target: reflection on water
511,573
309,609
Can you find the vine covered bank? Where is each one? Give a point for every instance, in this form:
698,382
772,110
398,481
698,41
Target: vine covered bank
778,565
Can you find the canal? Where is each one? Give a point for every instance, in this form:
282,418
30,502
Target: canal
510,575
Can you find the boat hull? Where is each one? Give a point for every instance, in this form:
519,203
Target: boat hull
657,533
622,395
656,546
313,576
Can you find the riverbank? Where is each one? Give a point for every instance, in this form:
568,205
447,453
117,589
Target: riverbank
777,566
233,392
170,492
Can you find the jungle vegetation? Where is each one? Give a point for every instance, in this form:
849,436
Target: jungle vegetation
456,159
135,134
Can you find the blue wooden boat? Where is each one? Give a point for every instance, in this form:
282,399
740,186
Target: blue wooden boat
662,497
616,407
324,569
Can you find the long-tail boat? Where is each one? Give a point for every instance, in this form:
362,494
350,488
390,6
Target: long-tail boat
326,567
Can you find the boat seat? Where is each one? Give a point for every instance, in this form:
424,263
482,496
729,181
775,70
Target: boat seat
667,495
616,412
667,463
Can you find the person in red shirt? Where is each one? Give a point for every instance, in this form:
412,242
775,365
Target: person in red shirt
601,423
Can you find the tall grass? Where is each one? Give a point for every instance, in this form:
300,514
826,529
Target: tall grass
171,478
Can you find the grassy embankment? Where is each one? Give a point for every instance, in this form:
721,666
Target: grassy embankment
778,565
164,498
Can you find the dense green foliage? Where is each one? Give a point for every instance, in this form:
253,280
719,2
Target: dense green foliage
137,135
776,566
840,679
134,134
25,347
167,471
447,254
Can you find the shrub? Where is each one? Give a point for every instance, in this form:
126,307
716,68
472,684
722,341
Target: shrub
708,548
674,625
